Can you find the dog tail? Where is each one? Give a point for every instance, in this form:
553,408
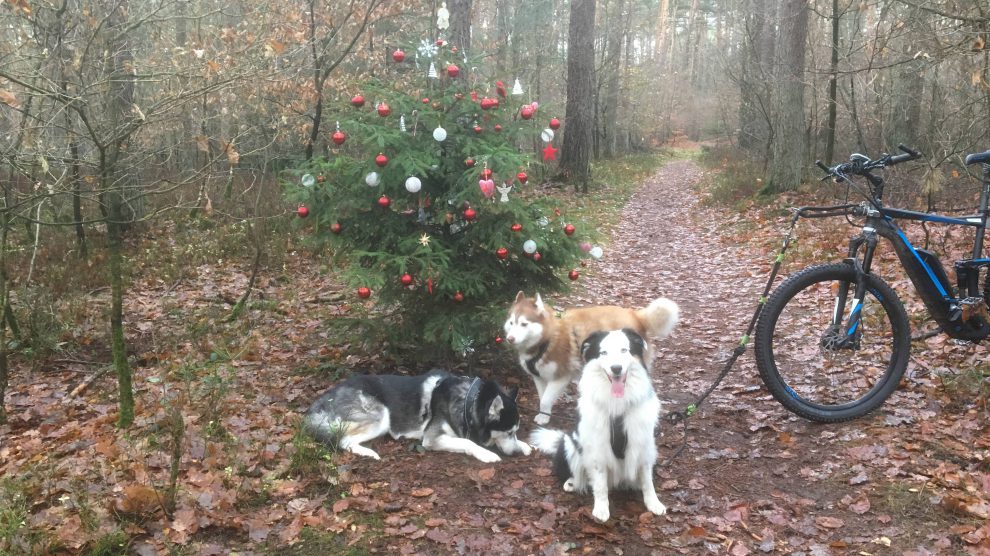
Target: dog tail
324,429
660,316
546,440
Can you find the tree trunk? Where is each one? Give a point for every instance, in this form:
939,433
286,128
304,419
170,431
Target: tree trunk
833,82
787,157
4,303
755,75
663,29
575,161
613,72
460,24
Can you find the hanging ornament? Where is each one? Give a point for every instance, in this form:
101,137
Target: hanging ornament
372,179
522,177
357,101
498,128
543,221
516,227
363,292
384,110
426,100
500,88
402,123
529,246
469,162
504,190
413,185
335,228
453,70
537,256
432,74
406,279
585,246
320,178
498,339
429,285
487,188
547,135
398,55
474,96
384,201
502,253
477,129
554,123
596,252
517,88
381,160
302,211
439,134
458,297
308,180
526,112
424,240
549,153
573,275
569,229
443,17
486,173
470,214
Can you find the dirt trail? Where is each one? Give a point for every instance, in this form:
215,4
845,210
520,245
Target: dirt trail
752,478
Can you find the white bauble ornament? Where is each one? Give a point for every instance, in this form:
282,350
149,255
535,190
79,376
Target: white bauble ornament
529,246
543,221
413,185
439,133
308,180
596,252
373,179
547,135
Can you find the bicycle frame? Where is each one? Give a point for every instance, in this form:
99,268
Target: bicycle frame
922,267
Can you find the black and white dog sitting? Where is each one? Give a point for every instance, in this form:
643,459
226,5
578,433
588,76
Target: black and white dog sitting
618,410
449,413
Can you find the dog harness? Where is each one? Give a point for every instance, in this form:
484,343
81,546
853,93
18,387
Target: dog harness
469,402
541,349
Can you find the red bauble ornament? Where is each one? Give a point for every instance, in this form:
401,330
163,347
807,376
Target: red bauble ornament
469,162
339,137
384,201
406,279
526,112
426,100
474,96
336,227
477,129
303,212
502,253
569,229
429,285
363,292
522,177
554,123
498,339
384,110
453,70
573,275
516,227
498,127
458,297
486,173
398,55
441,42
537,256
357,101
486,103
381,160
500,88
469,214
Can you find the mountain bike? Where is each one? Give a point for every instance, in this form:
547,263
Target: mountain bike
832,340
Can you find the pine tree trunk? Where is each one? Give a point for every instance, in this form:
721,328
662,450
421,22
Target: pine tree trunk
460,24
663,29
4,305
833,83
575,160
613,72
755,75
787,159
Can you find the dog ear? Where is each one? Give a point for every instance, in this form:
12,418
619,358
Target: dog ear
637,345
539,304
495,410
591,345
520,296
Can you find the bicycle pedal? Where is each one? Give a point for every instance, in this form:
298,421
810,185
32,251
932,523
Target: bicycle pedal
974,307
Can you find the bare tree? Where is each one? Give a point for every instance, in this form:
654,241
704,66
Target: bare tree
575,162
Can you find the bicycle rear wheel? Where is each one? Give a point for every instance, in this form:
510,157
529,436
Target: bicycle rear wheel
817,369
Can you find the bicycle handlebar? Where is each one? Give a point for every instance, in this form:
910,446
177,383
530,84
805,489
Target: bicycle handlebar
861,165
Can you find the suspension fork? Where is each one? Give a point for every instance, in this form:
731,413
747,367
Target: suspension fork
867,241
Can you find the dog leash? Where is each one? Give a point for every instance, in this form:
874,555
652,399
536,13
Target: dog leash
681,416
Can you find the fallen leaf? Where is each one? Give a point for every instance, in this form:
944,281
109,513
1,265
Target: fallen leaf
486,474
829,522
422,492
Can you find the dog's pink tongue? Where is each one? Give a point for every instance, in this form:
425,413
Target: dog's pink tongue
618,387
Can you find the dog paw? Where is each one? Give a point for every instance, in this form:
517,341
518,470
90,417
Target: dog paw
655,506
487,456
569,485
600,513
366,452
541,418
524,448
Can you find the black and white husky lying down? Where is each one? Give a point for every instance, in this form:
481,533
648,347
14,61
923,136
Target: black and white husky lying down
613,445
449,413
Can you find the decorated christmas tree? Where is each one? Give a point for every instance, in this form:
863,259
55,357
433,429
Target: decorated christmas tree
426,202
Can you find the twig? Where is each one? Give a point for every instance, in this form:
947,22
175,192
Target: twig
85,384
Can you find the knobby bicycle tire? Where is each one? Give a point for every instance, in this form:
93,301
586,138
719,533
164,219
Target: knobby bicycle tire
779,343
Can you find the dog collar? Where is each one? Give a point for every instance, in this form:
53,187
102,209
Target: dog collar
469,402
531,362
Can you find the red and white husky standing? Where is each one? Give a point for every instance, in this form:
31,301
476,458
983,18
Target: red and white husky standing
549,347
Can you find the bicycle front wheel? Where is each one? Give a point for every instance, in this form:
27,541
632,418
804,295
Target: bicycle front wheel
808,358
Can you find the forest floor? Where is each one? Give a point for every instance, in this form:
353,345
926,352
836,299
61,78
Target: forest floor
913,478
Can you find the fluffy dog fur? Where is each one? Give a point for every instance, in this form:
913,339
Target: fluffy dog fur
549,347
613,445
449,413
